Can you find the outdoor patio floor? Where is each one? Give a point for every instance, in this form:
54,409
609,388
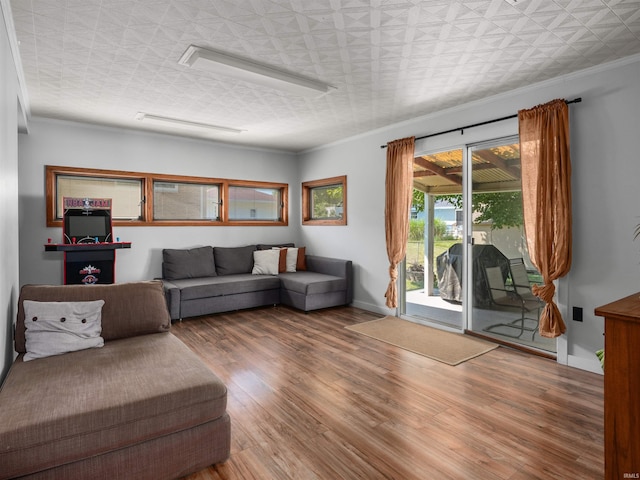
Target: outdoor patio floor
421,306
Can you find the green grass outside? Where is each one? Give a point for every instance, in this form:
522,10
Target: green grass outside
415,250
415,255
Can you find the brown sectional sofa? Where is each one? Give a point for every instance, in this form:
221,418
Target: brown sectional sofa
206,280
143,406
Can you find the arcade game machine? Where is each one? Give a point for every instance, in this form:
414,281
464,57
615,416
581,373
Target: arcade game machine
88,246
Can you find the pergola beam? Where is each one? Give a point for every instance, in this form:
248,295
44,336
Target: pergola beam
437,170
497,162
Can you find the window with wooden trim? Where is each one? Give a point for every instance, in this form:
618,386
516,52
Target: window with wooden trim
147,199
254,203
324,202
127,194
185,201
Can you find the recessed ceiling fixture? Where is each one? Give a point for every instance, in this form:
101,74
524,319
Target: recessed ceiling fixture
247,70
176,122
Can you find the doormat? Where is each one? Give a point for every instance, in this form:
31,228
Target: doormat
445,347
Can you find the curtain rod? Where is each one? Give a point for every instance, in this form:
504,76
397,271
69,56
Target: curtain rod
568,102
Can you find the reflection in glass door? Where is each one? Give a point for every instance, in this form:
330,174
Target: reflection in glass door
433,263
500,270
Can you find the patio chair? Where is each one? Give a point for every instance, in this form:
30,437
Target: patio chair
518,295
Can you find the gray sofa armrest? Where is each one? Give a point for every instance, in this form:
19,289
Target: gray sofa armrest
172,294
333,266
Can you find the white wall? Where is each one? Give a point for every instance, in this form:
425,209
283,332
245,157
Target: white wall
9,91
51,142
606,206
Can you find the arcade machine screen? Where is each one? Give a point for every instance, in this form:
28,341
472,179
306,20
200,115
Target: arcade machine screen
81,226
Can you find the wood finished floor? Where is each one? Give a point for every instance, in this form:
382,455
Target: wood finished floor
309,399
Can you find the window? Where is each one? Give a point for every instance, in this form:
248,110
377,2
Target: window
253,203
155,199
185,201
126,192
324,202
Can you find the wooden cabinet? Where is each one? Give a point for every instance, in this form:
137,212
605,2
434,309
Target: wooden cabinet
622,387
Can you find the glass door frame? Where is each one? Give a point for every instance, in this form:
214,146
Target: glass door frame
483,135
468,230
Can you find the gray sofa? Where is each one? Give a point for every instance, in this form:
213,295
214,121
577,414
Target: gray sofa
142,406
206,280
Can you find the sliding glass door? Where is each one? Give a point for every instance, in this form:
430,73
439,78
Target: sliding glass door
501,304
467,265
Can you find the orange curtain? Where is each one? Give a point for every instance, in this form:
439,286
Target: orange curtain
546,194
398,196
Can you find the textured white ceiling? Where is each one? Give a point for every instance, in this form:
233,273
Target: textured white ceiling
103,61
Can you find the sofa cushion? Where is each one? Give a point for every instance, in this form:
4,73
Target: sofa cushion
194,288
188,263
54,328
232,260
74,406
129,309
311,283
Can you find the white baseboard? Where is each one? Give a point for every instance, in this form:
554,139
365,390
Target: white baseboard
585,364
370,307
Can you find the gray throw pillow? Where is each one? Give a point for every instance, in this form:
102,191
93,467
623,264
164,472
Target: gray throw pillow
188,263
231,260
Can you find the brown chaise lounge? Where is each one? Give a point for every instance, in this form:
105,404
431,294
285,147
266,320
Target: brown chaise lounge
143,406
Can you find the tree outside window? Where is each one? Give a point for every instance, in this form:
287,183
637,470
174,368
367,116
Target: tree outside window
324,202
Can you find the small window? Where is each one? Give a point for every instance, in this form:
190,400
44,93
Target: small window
185,201
254,203
324,202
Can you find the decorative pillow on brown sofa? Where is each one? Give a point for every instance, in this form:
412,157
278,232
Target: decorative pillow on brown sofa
142,310
54,328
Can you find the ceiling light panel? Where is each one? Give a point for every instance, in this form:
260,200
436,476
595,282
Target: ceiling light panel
220,63
176,122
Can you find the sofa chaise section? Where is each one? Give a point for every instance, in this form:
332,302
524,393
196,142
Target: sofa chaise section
327,282
143,406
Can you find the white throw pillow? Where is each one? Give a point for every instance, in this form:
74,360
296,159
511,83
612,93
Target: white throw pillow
53,328
265,262
292,259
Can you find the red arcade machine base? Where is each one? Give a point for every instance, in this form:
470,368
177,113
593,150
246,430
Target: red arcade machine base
88,263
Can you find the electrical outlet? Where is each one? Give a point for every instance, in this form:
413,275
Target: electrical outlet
577,314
